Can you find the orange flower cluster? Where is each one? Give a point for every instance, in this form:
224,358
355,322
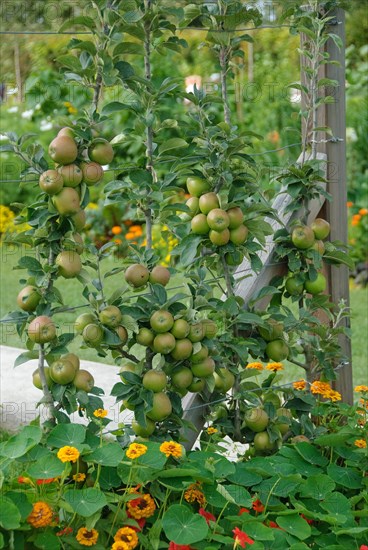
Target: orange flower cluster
255,365
142,507
275,367
41,515
87,538
324,389
361,389
135,231
125,538
299,385
170,448
194,494
361,443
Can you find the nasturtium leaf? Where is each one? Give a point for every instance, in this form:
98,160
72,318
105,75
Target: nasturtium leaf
46,467
243,476
256,529
335,439
66,434
108,478
153,458
110,454
182,526
85,502
47,540
235,494
9,514
347,477
311,454
22,503
295,525
19,444
337,505
318,487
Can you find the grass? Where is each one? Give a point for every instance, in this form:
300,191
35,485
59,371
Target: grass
71,289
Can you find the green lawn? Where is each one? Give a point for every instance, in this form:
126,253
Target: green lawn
71,292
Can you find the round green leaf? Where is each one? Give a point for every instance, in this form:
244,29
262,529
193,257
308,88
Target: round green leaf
295,525
182,526
9,514
85,502
66,434
318,487
46,467
108,455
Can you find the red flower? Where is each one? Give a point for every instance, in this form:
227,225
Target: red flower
257,505
363,547
207,515
274,525
65,531
243,511
310,521
241,538
45,481
173,546
141,523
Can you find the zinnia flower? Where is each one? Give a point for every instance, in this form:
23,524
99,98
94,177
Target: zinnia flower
41,515
120,545
87,538
211,430
79,477
100,413
116,230
68,454
319,387
241,538
275,367
257,505
256,365
332,394
128,536
361,443
361,389
135,450
299,385
194,494
207,515
142,507
170,448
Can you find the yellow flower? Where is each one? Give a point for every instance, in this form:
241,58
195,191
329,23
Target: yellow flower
127,535
211,430
361,443
79,477
361,389
41,515
299,385
135,450
92,206
194,494
141,507
170,448
331,394
100,413
256,365
320,387
120,545
68,454
275,366
87,538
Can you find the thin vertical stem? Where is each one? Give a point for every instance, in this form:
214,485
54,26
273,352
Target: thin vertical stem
149,129
223,64
48,401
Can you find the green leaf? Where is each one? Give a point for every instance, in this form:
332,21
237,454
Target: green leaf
338,257
182,526
173,143
128,48
21,443
337,505
26,356
70,61
47,540
153,458
235,494
85,502
318,487
347,477
311,454
295,525
243,476
114,107
334,439
80,20
9,514
46,467
107,455
66,434
22,503
256,529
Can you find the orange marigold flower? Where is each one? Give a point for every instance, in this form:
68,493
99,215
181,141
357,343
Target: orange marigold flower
100,413
361,389
130,236
41,515
116,230
128,536
332,394
87,538
211,430
299,385
275,367
361,443
120,545
257,505
319,387
135,450
142,507
255,365
170,448
354,223
363,403
349,204
194,494
79,477
363,211
68,454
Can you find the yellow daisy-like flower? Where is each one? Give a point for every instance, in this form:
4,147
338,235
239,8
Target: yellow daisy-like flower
135,450
331,394
363,403
68,454
194,494
141,507
211,430
361,443
275,367
120,545
319,387
79,477
87,538
41,515
299,385
361,389
128,536
100,413
170,448
255,365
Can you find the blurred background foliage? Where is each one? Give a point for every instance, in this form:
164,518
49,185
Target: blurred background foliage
36,98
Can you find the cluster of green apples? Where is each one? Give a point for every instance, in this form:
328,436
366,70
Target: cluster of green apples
306,237
92,327
273,334
138,275
75,165
65,370
208,218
